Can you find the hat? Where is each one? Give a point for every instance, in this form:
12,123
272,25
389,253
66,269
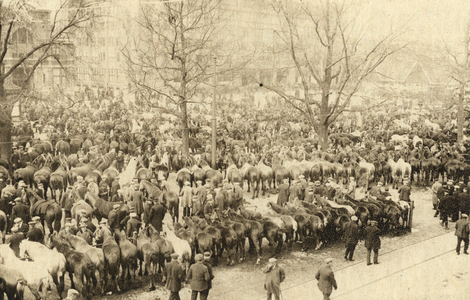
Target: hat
84,219
272,260
174,255
373,222
18,199
207,254
199,182
328,260
79,178
72,292
330,179
199,257
17,220
286,180
328,184
82,225
68,224
36,218
464,216
103,221
116,206
317,183
209,196
187,183
351,178
21,184
354,218
301,176
32,223
311,183
236,183
380,183
133,215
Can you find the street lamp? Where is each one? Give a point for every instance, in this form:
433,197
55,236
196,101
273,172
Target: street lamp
214,119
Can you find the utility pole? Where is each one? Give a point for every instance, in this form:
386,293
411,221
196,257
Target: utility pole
214,119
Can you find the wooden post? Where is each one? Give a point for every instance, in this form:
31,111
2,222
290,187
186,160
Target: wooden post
410,215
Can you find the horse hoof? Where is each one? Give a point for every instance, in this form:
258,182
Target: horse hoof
257,261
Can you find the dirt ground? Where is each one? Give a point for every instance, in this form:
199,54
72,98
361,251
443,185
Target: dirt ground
245,280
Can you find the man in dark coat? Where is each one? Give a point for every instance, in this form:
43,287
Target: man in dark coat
464,202
85,233
89,225
157,213
274,276
34,234
404,192
208,207
132,225
294,191
462,231
22,227
173,274
137,200
206,262
115,186
21,211
351,237
283,195
237,196
330,191
372,241
113,220
199,276
67,201
444,207
326,279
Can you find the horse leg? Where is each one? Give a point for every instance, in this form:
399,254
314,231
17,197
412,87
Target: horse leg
72,283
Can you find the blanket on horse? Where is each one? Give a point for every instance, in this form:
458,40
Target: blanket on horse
39,208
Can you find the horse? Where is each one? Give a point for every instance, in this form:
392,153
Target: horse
51,260
148,253
49,211
12,283
3,226
165,247
95,254
58,182
112,255
253,176
128,254
102,207
254,230
76,263
181,247
38,280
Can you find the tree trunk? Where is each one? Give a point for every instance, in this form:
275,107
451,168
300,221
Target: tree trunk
460,113
184,128
323,136
5,125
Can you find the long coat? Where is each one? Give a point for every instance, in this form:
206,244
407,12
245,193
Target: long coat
137,202
372,238
157,213
199,276
211,273
404,193
351,233
462,228
283,195
326,280
274,277
175,275
20,210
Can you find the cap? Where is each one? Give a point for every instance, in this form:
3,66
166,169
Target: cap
209,196
103,221
116,206
380,183
317,182
36,218
72,292
174,255
272,260
199,182
32,223
68,224
464,216
207,254
133,215
330,179
187,183
351,178
17,220
14,229
18,199
301,176
84,219
373,222
199,257
354,218
328,260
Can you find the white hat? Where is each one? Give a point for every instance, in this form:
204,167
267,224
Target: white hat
17,220
36,218
464,216
133,215
116,206
353,218
272,260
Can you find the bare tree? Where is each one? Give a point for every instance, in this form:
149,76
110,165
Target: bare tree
171,55
331,56
43,37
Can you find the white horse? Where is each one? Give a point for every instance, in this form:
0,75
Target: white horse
128,175
181,247
51,260
38,280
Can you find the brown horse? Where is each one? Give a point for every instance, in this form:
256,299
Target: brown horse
49,211
128,254
148,253
112,255
102,207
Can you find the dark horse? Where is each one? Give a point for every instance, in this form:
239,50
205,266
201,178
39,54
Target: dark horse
49,211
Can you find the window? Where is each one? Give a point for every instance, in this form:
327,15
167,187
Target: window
56,75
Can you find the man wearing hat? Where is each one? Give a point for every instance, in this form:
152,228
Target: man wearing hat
173,274
404,192
283,195
34,234
274,276
21,191
199,198
303,187
72,294
462,232
209,206
186,194
375,190
330,191
237,196
435,188
326,279
133,225
309,195
37,223
14,240
464,201
22,227
372,241
20,210
85,233
199,277
137,199
351,237
113,221
352,187
294,191
65,231
157,213
206,262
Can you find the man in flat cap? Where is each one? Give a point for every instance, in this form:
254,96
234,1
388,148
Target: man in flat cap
186,194
372,241
37,223
404,192
274,276
113,221
326,279
156,215
133,225
85,233
20,210
34,234
351,238
462,233
198,276
173,274
283,195
22,227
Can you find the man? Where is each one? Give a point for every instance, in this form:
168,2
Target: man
67,201
14,240
303,187
309,196
208,207
464,201
326,279
85,234
372,241
199,276
186,193
81,187
283,195
237,195
375,190
66,231
206,262
133,225
157,213
37,223
294,191
173,274
435,188
22,227
137,200
34,234
462,231
274,276
318,190
330,191
20,210
113,220
404,192
88,223
352,187
351,236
